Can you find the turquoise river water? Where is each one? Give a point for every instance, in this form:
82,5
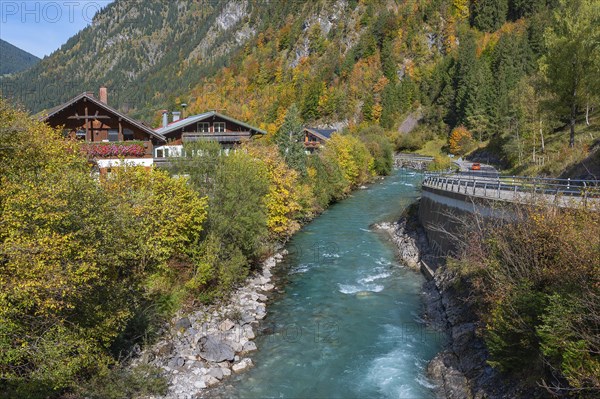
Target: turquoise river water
347,320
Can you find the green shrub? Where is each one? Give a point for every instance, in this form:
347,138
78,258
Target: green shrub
440,163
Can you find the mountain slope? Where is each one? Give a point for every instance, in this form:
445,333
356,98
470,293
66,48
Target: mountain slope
13,59
142,50
154,54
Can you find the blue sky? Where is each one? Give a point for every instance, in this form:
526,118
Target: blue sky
42,26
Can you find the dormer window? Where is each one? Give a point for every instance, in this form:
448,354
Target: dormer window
203,127
219,127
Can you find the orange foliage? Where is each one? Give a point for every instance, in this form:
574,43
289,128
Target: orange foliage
460,140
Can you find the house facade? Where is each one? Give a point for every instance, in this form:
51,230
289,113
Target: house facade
209,126
315,138
111,137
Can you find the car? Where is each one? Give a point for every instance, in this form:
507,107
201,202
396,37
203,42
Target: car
476,166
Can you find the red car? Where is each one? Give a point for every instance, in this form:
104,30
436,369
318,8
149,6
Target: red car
476,166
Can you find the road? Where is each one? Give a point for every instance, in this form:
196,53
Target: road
486,172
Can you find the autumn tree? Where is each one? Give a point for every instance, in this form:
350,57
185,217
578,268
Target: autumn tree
353,158
282,199
460,141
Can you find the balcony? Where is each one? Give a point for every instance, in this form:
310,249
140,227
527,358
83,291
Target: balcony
117,149
221,137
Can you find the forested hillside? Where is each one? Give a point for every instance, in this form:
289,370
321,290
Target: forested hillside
13,59
501,68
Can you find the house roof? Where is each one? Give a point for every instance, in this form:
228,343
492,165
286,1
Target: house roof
173,126
44,116
324,134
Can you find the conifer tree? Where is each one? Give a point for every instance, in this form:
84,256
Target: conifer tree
464,76
489,15
290,140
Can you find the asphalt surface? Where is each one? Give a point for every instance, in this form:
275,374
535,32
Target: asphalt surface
486,171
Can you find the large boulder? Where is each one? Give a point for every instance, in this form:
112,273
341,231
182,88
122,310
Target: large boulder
215,350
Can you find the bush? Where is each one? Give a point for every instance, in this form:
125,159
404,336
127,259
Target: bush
326,179
537,282
414,140
440,163
380,148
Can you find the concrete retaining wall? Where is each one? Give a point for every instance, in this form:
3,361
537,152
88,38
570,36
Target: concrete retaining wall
443,215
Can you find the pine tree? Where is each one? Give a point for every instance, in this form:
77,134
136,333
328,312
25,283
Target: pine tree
310,102
489,15
290,140
464,76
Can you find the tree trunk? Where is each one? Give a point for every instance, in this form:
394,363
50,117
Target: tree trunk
572,136
542,136
573,120
534,143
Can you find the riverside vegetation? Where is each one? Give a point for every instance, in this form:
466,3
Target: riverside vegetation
91,266
533,283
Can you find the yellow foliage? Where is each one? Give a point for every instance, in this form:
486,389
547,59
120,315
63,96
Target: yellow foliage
461,9
283,199
460,140
353,157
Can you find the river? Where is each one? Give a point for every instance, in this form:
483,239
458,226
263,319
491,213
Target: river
347,320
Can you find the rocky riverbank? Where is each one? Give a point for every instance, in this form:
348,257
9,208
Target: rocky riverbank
460,371
199,349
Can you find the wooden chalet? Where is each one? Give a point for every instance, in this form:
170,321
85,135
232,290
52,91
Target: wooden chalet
211,125
315,138
113,137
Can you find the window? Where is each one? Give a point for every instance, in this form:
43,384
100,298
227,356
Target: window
160,153
203,127
113,135
128,135
219,127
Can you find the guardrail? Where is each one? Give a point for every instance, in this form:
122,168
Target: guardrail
507,187
413,157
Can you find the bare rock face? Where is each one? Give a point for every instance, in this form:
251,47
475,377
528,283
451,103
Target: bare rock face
452,383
